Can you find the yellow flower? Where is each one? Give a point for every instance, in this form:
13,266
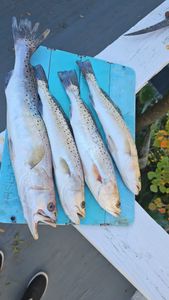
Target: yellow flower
157,200
152,206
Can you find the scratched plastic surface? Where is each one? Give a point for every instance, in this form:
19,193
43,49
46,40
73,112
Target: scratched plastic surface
119,82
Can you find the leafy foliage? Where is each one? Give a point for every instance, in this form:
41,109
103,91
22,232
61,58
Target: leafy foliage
160,177
154,196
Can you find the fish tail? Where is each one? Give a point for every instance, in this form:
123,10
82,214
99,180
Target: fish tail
29,34
85,67
40,74
68,78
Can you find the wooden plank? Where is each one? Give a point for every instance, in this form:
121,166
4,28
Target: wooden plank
136,252
139,250
147,54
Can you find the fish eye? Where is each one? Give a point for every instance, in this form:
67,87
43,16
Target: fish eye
51,206
118,205
83,204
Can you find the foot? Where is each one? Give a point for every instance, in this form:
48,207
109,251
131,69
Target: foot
1,260
36,287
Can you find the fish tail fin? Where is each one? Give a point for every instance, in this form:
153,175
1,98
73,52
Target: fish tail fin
85,67
27,33
40,74
69,78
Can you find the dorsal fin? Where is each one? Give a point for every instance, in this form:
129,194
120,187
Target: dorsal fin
8,77
115,105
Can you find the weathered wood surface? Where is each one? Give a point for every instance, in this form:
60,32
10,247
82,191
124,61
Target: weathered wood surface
139,250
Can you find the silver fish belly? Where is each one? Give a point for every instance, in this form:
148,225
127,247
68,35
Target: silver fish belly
119,139
66,161
28,142
98,168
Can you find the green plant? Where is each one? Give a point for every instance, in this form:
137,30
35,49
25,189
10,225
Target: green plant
16,244
160,177
154,196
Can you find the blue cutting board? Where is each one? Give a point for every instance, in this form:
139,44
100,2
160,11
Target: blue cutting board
119,82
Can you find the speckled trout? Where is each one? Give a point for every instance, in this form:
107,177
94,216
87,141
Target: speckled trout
119,139
66,160
97,164
28,141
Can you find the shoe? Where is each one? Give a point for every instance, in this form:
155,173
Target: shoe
1,260
36,287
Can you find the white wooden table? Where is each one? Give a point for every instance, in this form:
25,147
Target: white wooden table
138,251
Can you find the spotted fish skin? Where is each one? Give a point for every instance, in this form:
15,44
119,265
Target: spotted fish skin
119,139
98,167
67,164
28,142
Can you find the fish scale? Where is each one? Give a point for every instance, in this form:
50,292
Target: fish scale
98,167
28,141
119,139
67,165
61,122
93,134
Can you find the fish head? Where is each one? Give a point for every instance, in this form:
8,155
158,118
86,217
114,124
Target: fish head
73,200
109,198
133,184
41,208
131,174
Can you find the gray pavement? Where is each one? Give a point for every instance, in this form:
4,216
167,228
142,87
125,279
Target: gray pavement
76,270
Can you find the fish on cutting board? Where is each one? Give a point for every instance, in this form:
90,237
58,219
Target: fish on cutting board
97,164
119,139
66,160
27,137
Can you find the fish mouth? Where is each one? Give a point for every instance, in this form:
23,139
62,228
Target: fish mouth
43,218
81,213
39,217
109,199
76,216
115,211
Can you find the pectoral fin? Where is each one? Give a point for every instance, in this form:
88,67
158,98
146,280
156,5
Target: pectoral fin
36,156
96,173
113,147
65,167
